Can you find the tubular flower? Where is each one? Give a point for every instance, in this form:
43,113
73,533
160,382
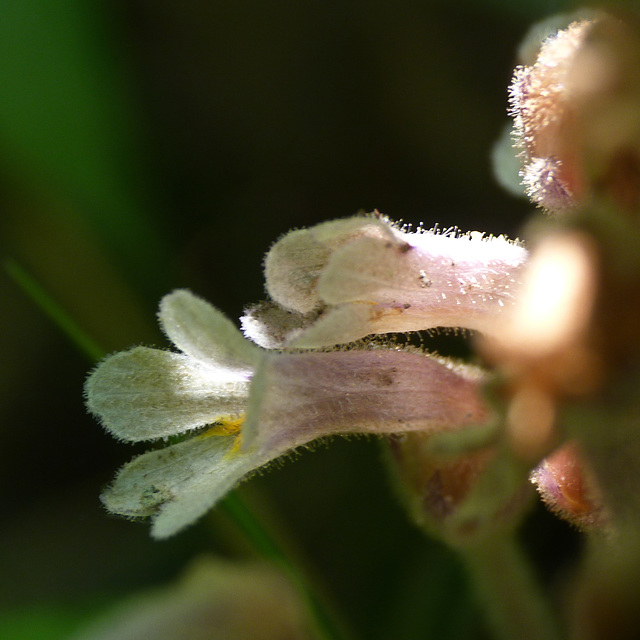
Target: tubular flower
240,407
342,280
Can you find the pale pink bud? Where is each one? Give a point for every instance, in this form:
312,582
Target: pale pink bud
568,488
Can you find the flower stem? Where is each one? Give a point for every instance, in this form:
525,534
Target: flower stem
54,311
508,592
266,545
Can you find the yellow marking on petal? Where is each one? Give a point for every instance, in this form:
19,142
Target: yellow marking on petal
226,426
236,445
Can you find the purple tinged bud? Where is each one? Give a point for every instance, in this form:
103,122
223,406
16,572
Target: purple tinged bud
379,279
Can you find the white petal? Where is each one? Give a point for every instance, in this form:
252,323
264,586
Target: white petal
294,263
178,484
204,333
296,398
339,325
144,393
272,326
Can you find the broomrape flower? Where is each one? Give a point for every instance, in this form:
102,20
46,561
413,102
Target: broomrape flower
345,279
239,406
242,406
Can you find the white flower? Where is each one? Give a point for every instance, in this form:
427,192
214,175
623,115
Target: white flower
289,399
342,280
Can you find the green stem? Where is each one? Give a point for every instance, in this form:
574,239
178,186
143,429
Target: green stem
54,311
267,546
508,592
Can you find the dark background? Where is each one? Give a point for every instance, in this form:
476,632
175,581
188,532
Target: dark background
154,144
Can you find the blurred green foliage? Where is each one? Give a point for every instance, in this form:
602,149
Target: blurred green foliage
151,144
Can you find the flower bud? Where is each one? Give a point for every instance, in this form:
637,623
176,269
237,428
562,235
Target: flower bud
441,490
568,489
577,116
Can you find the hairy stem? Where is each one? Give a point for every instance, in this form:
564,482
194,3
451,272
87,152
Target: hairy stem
507,591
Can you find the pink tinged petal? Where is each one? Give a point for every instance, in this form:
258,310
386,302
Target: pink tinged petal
143,394
417,281
568,488
545,186
178,484
339,325
296,398
442,279
391,281
204,333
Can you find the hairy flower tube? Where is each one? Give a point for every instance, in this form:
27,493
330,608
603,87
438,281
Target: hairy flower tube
241,406
342,280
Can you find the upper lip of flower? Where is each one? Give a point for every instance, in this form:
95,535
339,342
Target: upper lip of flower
342,280
144,394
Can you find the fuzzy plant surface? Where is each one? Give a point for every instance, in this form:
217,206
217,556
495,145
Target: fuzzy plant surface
547,400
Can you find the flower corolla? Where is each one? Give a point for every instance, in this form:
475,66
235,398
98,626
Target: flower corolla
240,406
342,280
